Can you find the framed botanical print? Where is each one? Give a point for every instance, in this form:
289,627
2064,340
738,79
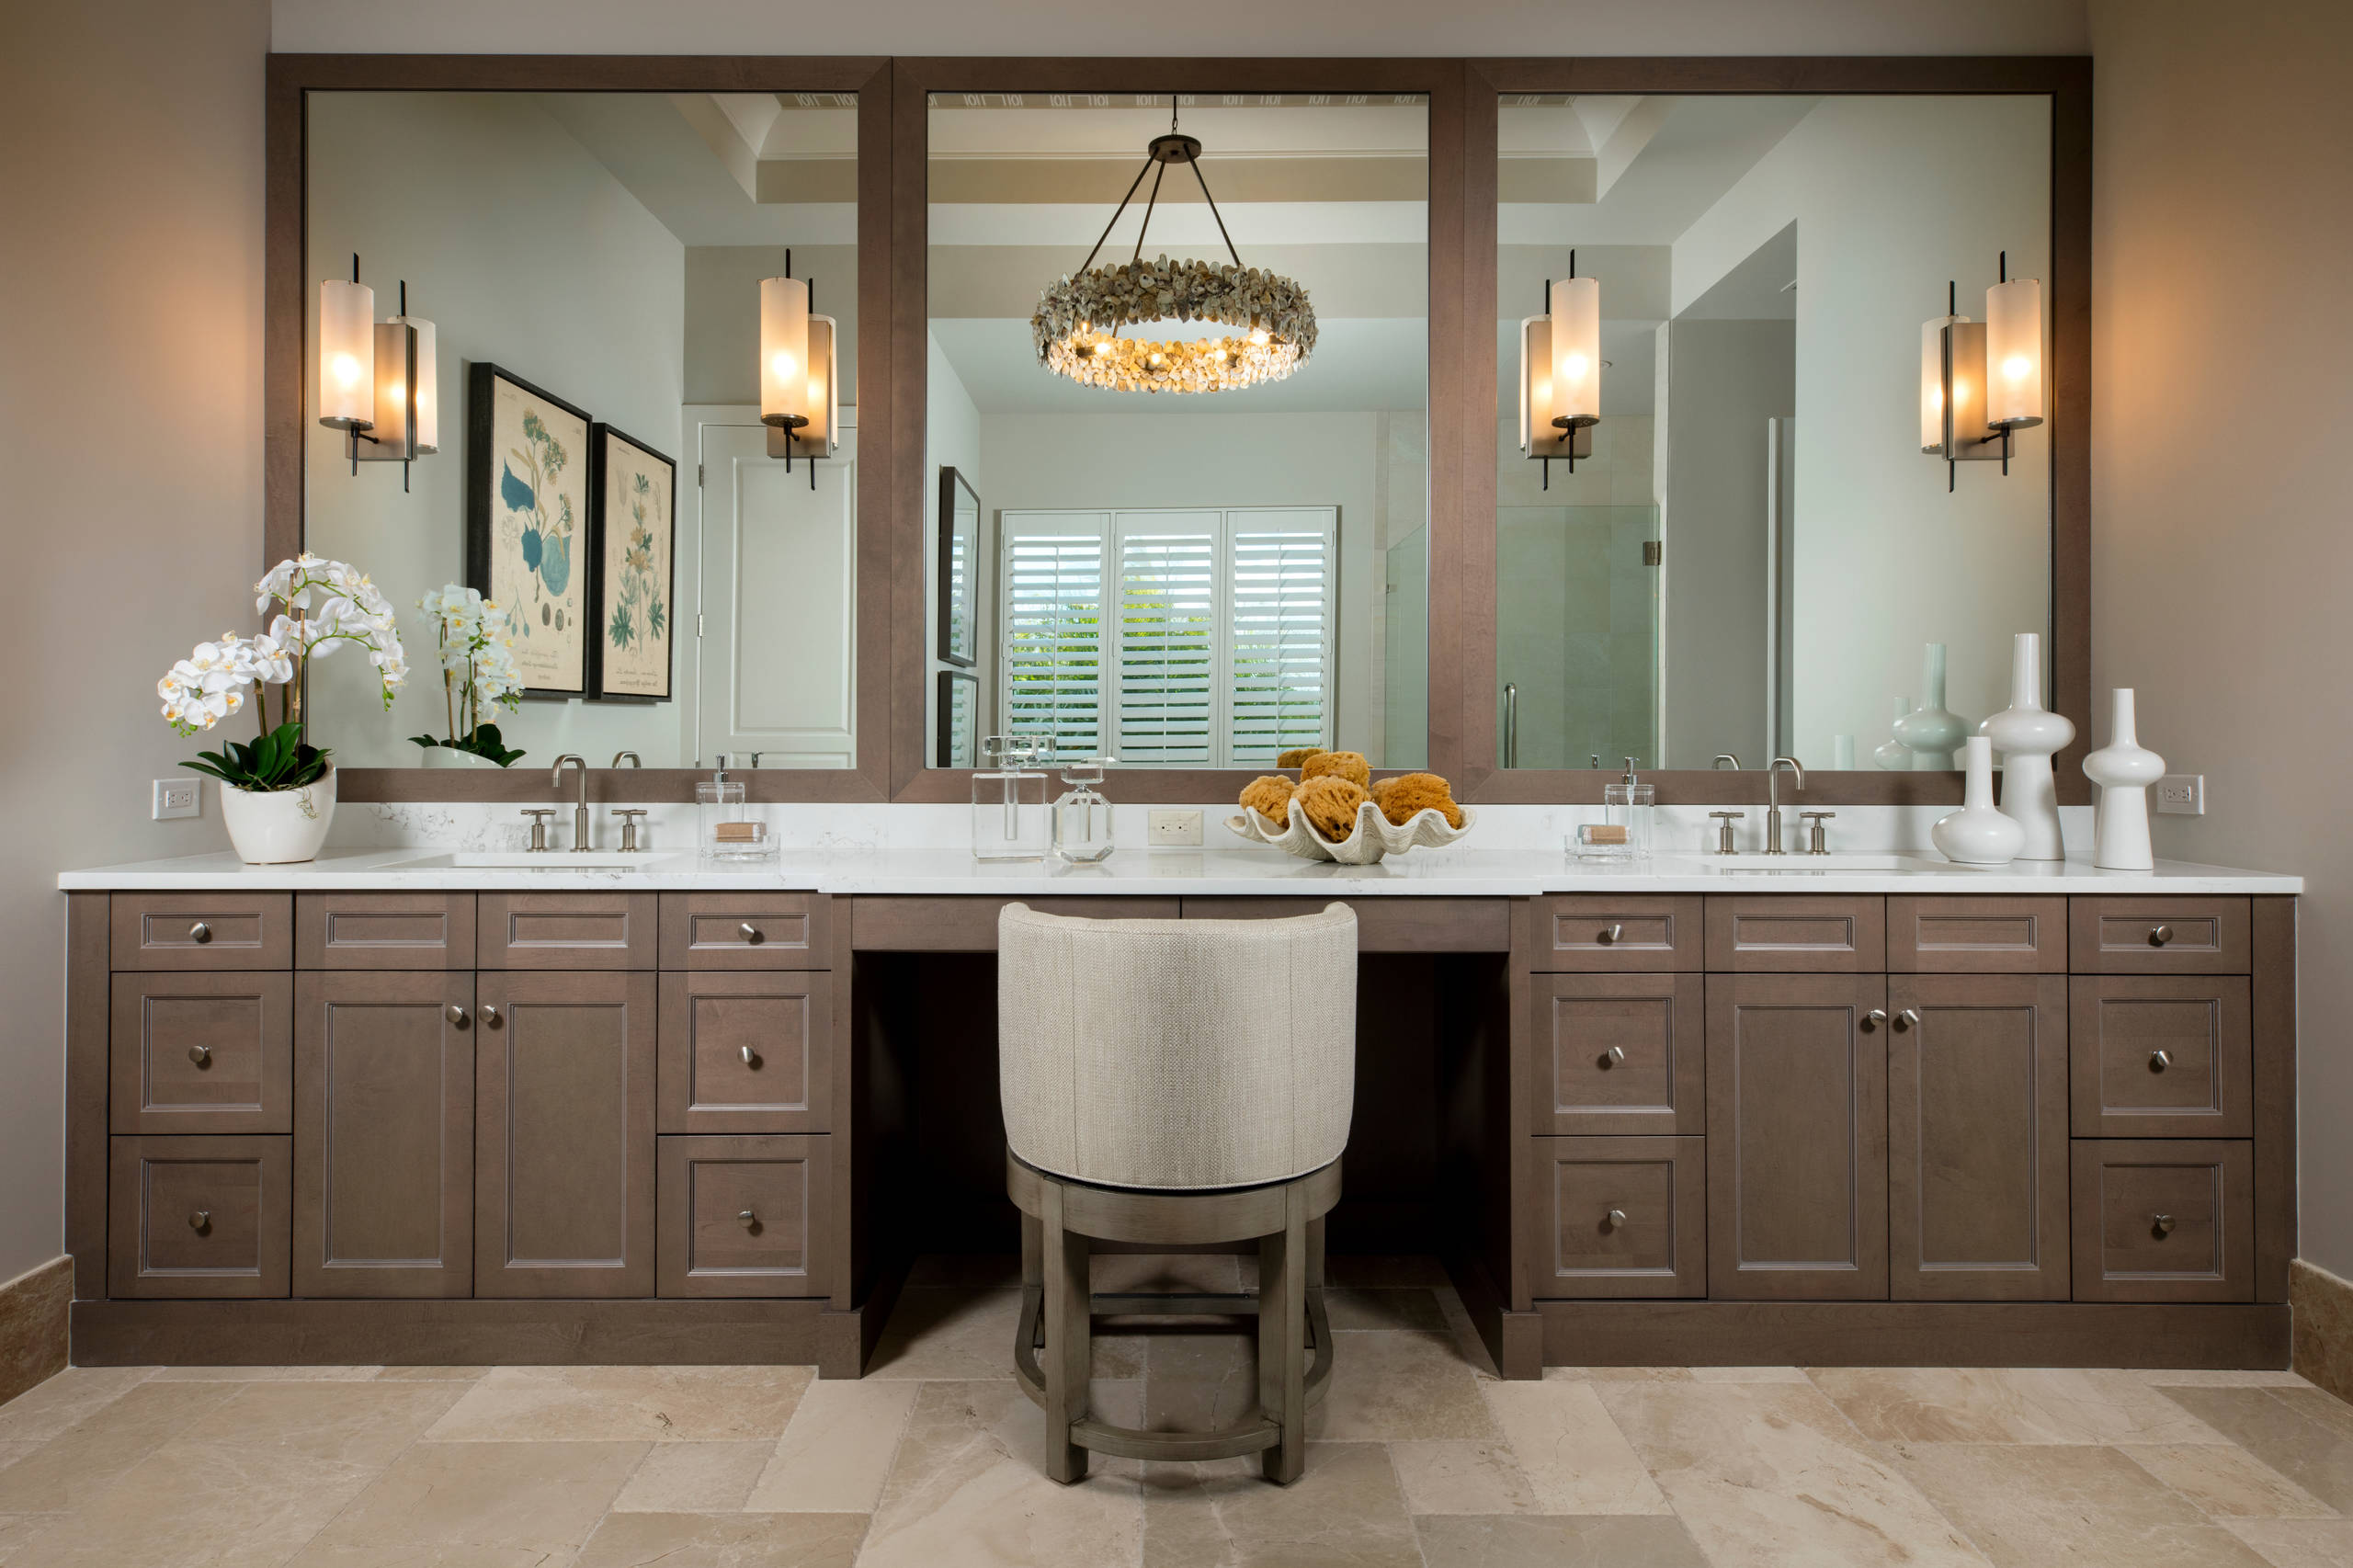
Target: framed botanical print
634,492
959,576
527,523
960,719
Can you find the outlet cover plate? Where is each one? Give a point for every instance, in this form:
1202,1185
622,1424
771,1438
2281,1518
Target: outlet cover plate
178,798
1173,828
2182,794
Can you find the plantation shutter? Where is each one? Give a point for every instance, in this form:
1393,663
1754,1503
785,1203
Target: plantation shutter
1054,627
1282,572
1169,675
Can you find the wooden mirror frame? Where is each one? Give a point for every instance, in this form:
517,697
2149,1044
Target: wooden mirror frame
893,310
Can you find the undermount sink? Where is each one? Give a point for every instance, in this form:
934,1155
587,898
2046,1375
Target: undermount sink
528,860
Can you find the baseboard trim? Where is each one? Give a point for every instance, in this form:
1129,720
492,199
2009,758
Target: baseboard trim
33,1308
1913,1334
2323,1307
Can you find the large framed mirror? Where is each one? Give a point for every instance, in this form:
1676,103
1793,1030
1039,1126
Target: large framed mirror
622,509
1717,539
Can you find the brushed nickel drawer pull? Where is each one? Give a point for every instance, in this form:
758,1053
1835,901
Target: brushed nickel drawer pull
1615,934
2159,1060
1873,1019
2161,936
1614,1220
751,932
1612,1057
1907,1019
2161,1223
749,1220
200,1055
490,1017
751,1057
200,1221
199,933
455,1013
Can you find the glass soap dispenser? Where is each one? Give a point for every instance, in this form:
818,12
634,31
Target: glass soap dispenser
1082,834
1624,831
1009,815
728,828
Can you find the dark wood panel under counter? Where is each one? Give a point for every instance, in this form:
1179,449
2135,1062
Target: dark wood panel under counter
568,930
384,930
1973,934
1620,933
733,930
966,924
1386,924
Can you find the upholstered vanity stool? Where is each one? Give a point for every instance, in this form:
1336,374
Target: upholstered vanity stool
1179,1082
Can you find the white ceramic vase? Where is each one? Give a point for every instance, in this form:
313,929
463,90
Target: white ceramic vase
2028,735
2124,770
1977,834
270,827
1931,730
1891,754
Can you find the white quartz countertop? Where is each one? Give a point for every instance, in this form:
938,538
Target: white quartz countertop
1459,871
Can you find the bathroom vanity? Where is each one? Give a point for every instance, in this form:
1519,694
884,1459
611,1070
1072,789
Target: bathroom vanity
369,1110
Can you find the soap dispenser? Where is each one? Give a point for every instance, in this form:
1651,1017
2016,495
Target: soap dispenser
1624,831
727,829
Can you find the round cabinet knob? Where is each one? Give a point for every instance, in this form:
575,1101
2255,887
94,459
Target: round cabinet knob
2159,1060
455,1013
2161,936
200,1221
1614,1220
1612,1057
490,1017
748,1220
751,1057
751,932
199,933
2161,1223
1614,934
200,1055
1873,1019
1907,1019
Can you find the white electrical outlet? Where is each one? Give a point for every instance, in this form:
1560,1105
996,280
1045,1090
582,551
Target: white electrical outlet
1173,829
178,798
2183,794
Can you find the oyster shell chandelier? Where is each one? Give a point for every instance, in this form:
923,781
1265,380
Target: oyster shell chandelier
1077,326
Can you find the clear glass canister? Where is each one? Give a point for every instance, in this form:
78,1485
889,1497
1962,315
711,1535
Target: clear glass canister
1631,806
1082,830
1009,812
727,828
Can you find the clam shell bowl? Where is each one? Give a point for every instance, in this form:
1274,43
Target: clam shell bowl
1374,836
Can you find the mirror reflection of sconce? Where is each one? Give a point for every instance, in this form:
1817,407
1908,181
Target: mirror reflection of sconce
377,379
1560,372
1981,382
800,395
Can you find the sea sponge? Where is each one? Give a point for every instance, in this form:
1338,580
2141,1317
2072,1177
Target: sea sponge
1298,758
1400,797
1330,805
1269,797
1348,765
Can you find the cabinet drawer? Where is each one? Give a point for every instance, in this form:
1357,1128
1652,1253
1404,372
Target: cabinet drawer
2165,1219
567,930
202,1053
1619,1053
1623,934
1796,934
1977,936
203,930
728,930
2159,936
2162,1056
744,1216
384,930
746,1052
1619,1217
198,1217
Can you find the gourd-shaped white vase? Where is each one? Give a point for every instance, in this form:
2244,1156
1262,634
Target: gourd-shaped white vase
1891,754
1931,730
2028,734
2124,770
1977,834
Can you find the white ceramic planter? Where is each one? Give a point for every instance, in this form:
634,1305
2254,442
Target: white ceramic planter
275,826
450,757
2028,734
1977,834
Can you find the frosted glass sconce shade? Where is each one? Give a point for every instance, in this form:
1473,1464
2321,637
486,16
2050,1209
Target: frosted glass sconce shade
1576,351
427,380
1932,381
784,351
1539,436
2014,353
391,435
822,406
347,355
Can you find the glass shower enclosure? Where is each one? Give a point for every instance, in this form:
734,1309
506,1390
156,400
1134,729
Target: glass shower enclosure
1577,636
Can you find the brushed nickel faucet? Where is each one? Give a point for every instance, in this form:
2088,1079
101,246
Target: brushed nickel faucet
580,832
1773,799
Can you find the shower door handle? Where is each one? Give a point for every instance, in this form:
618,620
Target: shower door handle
1511,725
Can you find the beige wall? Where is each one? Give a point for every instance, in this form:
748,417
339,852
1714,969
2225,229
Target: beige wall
2222,549
131,443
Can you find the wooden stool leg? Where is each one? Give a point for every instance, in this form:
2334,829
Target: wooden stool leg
1069,1359
1282,1335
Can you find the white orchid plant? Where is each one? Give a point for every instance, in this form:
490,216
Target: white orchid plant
315,605
477,640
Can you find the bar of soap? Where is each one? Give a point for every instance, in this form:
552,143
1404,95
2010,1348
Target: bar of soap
1605,832
753,831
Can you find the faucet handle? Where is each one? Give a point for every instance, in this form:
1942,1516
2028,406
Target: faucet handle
538,815
1818,842
629,816
1724,820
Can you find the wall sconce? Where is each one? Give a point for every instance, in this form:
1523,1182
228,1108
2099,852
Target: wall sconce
377,380
800,395
1981,381
1560,372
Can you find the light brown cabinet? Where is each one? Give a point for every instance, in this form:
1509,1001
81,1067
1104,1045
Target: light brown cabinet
1971,934
384,1133
746,1052
201,1053
2164,1056
384,930
743,1216
2161,936
1620,934
201,1217
203,930
764,930
1796,934
2165,1219
1620,1217
567,930
1619,1053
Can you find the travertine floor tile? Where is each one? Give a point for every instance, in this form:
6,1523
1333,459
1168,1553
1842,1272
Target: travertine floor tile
965,1271
1618,1374
725,1540
1355,1271
10,1452
2227,1481
2027,1507
362,1424
1747,1375
1771,1474
46,1409
267,1374
1575,1459
487,1502
2313,1455
967,1488
2319,1405
73,1468
1208,1271
1993,1404
616,1403
694,1478
959,1335
1198,1382
1462,1477
2297,1543
1400,1385
198,1504
1346,1512
1410,1307
431,1374
1594,1542
2211,1378
836,1454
